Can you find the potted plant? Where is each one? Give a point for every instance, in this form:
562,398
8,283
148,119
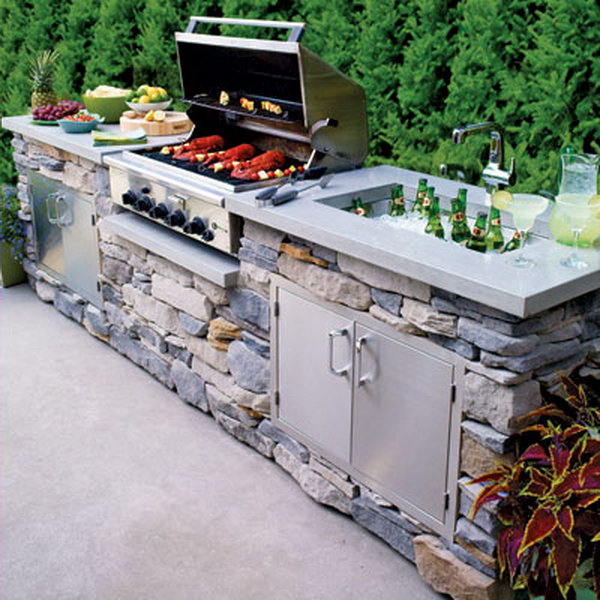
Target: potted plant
12,238
549,500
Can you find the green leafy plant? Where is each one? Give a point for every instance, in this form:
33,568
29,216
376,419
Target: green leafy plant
12,230
548,500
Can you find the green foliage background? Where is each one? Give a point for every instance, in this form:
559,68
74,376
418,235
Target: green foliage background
426,66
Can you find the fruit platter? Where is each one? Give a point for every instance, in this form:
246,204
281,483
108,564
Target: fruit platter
50,114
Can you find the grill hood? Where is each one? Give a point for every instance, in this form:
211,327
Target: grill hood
323,118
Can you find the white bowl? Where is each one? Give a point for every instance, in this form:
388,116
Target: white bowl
144,108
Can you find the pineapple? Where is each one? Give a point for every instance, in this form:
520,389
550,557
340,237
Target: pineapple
42,73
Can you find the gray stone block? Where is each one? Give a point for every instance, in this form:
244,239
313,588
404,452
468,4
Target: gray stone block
250,306
263,235
567,332
190,386
159,368
110,294
68,306
153,338
193,326
488,436
582,305
219,402
542,355
387,300
471,560
499,375
375,520
185,356
116,270
259,250
245,254
288,461
52,164
132,349
323,492
540,322
45,291
257,344
248,435
102,181
324,253
25,162
250,370
590,329
549,374
467,305
461,347
296,448
468,531
229,315
96,319
494,341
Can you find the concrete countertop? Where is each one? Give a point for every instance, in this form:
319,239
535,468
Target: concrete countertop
486,278
80,144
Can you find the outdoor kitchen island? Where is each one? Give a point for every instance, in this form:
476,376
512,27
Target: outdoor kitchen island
382,369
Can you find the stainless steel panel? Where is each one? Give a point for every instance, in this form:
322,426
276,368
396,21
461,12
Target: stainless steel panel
80,243
43,193
402,415
313,399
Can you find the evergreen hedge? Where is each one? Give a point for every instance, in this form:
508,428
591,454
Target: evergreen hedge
426,65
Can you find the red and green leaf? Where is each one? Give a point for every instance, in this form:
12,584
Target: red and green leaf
565,556
542,523
561,458
534,452
538,485
566,520
488,494
496,475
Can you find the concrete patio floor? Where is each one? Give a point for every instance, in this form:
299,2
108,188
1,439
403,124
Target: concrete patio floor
112,488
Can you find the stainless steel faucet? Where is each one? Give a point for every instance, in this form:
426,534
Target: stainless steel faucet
494,175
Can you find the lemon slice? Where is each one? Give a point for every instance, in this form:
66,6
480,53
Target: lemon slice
502,199
159,115
149,116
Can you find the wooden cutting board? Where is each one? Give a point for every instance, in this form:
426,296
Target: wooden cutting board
174,123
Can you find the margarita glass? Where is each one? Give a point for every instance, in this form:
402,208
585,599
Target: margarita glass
524,209
580,212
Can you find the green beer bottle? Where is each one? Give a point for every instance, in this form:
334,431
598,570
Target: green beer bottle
460,229
421,193
397,208
514,243
462,196
477,240
427,201
358,208
494,240
434,222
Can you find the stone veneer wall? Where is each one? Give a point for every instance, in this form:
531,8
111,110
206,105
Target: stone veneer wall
211,346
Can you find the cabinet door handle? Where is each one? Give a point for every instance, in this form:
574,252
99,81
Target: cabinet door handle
65,219
52,220
360,342
333,334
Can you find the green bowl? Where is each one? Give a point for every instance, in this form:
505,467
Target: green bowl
111,108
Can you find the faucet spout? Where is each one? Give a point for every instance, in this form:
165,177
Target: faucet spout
494,174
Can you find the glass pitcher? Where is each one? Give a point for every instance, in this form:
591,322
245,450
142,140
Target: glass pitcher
579,182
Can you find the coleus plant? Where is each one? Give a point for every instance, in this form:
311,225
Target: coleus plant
549,499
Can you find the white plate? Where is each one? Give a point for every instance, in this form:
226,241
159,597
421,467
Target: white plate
144,108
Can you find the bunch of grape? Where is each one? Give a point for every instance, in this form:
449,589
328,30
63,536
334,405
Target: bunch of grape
54,113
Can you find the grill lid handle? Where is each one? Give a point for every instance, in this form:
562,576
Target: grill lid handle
297,28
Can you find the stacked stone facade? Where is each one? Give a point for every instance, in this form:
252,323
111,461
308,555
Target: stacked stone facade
211,346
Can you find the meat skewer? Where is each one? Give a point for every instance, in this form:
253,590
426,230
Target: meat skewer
268,161
202,145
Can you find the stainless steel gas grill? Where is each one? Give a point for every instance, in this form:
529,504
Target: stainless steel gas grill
292,108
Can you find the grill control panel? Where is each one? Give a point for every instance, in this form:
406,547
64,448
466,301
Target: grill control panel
190,215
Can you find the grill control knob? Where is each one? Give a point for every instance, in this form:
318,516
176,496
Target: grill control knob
144,204
160,211
145,189
128,197
208,235
176,218
196,225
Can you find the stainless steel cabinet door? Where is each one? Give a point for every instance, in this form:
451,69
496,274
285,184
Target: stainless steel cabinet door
401,428
314,373
82,260
44,194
